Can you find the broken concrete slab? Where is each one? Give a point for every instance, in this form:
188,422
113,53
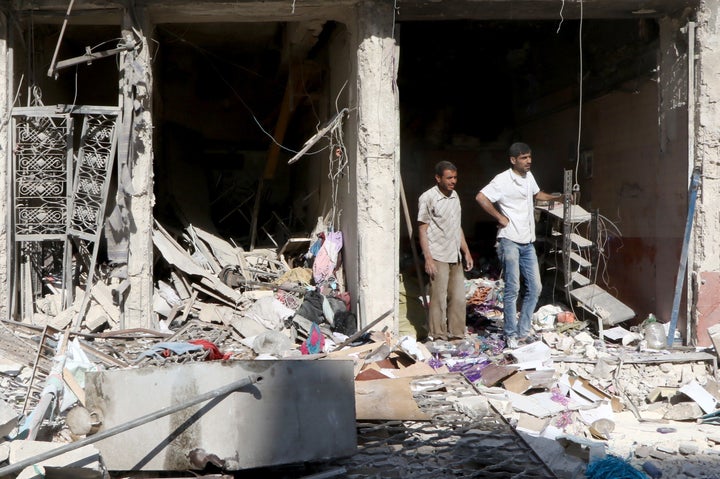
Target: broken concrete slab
9,367
684,411
81,463
8,418
95,318
472,406
247,327
301,411
216,313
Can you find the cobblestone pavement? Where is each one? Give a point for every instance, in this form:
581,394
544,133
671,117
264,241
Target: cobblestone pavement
451,445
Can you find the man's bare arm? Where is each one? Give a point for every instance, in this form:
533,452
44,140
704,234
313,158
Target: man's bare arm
542,196
425,247
466,252
487,205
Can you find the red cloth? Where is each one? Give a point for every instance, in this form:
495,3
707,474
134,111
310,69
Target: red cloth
214,350
315,342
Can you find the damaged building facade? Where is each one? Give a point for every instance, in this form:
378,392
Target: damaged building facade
252,120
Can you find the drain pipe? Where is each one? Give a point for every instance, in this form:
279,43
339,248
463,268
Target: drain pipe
221,391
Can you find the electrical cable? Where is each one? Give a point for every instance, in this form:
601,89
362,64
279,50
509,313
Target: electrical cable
208,56
576,186
561,17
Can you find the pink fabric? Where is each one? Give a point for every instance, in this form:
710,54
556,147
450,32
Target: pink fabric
322,266
326,259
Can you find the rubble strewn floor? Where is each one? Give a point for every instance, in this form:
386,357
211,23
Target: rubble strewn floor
468,408
452,444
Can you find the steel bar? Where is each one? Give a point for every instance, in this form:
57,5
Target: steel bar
680,279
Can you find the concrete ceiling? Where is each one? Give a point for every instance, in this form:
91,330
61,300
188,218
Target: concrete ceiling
411,10
211,11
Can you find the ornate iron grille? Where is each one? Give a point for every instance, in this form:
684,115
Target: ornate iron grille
94,160
42,162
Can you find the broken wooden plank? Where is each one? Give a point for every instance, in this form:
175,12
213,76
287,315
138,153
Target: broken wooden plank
73,385
103,295
188,305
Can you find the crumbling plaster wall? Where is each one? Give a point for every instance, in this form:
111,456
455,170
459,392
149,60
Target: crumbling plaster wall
672,168
705,258
621,129
372,256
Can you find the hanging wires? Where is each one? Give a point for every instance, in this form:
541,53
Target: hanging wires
561,16
576,186
337,162
337,168
210,57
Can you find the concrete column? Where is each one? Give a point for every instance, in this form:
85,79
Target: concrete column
706,233
6,79
377,163
136,89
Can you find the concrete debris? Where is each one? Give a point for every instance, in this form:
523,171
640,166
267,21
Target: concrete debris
8,419
81,463
573,395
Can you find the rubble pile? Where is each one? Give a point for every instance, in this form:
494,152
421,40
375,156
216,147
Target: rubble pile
612,395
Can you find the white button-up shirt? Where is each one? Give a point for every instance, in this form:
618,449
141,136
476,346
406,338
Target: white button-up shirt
513,196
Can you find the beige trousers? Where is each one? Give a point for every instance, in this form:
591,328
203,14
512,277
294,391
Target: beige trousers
447,302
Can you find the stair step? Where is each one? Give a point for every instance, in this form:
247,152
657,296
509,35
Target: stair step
580,279
579,241
576,239
582,262
599,302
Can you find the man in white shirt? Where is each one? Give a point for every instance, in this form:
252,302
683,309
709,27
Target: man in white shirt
442,241
509,198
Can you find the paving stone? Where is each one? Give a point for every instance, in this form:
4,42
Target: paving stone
694,470
643,451
688,448
665,449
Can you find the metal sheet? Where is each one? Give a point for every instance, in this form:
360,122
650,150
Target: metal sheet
300,411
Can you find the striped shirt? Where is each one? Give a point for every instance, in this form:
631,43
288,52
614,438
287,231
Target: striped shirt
442,215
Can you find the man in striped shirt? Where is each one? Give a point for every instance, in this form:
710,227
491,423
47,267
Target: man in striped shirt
443,244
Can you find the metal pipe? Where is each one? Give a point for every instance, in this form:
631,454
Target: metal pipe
221,391
691,167
51,70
